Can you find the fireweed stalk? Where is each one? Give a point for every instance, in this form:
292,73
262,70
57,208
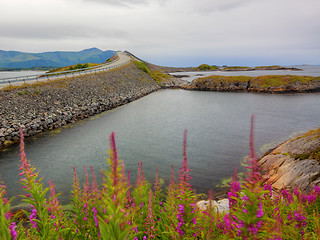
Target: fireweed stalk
246,211
43,225
140,196
181,211
113,221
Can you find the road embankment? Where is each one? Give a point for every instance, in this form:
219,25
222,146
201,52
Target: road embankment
49,105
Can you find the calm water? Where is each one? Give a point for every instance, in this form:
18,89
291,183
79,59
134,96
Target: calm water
308,70
7,74
151,130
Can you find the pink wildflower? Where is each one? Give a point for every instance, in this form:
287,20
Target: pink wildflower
184,175
150,223
33,216
287,195
12,228
260,211
181,222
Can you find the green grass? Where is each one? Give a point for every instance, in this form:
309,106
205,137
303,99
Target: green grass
219,78
156,75
269,67
280,80
204,67
142,66
236,68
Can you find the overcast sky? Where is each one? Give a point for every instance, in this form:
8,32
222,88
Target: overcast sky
169,32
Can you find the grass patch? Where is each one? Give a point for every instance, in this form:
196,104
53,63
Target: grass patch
156,75
219,78
205,67
236,68
75,67
142,66
267,67
280,80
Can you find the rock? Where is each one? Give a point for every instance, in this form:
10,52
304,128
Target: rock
221,205
295,163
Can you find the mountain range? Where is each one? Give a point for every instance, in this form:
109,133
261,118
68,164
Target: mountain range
15,59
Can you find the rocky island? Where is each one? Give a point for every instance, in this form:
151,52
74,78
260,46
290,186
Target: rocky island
260,84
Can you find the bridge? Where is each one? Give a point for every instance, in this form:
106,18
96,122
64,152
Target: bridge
122,59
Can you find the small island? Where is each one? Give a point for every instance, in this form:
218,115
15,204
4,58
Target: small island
273,67
262,84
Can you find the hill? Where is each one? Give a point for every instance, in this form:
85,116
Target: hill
15,59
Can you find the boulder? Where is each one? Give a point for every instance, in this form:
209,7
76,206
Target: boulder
295,163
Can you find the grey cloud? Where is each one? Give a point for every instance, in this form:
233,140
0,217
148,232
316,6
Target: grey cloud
125,3
210,6
59,32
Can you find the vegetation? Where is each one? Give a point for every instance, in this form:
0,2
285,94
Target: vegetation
79,66
118,210
205,67
279,80
275,67
156,75
219,78
237,68
74,67
267,81
267,67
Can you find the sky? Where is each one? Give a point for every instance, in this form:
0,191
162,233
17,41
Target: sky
169,32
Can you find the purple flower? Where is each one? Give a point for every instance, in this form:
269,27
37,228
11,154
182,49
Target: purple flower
180,220
300,219
287,195
12,229
317,190
260,211
311,198
95,212
33,216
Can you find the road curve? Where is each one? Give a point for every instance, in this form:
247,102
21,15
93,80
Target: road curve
122,60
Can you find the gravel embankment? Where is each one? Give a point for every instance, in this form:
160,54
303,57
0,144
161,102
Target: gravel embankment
44,106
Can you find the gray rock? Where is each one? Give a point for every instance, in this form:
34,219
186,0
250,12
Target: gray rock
221,205
292,165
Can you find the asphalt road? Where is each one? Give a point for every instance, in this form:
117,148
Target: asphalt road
122,59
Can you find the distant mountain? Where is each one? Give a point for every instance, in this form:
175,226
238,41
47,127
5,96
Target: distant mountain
14,59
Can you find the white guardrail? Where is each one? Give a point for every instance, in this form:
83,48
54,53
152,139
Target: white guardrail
62,74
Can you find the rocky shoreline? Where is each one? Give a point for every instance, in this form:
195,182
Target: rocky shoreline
294,163
45,106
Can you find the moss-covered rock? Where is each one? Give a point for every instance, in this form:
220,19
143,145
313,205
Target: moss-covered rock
264,84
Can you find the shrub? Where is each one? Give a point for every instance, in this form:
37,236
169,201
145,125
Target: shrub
204,67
